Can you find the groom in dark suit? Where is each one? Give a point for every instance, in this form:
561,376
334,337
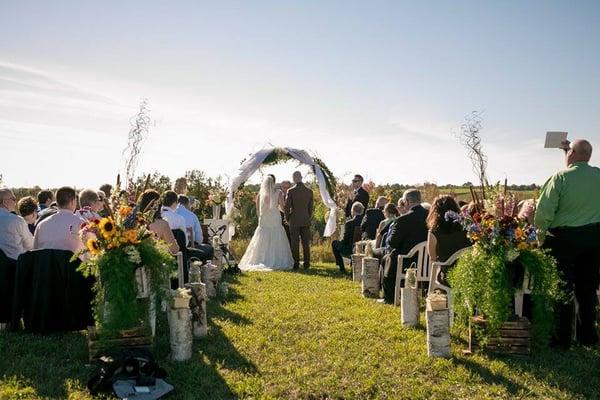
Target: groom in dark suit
298,213
358,194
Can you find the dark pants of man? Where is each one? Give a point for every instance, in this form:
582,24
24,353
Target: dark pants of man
338,253
577,251
389,270
298,233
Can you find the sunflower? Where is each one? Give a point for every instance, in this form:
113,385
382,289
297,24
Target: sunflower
92,246
107,227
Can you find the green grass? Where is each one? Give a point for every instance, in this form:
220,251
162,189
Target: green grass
307,336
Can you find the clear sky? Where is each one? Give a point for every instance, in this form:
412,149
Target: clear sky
373,87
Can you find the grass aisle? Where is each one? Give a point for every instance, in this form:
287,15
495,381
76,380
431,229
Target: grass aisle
307,336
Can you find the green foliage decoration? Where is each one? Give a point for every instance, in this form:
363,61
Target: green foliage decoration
481,283
116,288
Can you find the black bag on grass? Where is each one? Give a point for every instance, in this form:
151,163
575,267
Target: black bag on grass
131,364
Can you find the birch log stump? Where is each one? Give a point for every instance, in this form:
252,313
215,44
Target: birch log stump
180,326
409,306
438,333
370,277
198,307
357,267
205,273
218,257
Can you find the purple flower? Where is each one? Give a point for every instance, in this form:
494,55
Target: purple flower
452,216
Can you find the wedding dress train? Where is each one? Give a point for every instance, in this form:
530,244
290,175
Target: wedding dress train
269,249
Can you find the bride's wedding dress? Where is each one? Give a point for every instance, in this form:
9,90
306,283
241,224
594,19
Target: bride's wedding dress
269,249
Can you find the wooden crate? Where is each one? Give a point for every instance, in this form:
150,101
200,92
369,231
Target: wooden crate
514,337
137,338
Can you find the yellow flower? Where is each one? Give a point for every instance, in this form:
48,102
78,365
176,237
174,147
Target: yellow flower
124,211
107,227
522,246
92,246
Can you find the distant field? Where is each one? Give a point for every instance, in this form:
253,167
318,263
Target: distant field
464,193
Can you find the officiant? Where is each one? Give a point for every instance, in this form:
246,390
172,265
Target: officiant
569,211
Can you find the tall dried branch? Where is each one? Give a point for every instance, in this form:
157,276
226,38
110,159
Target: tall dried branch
140,127
470,138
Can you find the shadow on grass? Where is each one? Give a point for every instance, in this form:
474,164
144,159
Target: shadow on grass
574,371
201,377
45,363
322,271
490,377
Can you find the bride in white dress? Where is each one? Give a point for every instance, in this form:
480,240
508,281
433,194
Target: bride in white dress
269,248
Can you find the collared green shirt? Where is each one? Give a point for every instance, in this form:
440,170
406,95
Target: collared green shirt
570,198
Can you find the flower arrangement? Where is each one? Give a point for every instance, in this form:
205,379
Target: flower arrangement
216,197
499,229
484,278
115,246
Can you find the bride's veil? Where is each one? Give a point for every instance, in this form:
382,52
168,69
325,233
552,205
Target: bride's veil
267,196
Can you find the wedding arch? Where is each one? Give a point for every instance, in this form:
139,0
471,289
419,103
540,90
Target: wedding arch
275,155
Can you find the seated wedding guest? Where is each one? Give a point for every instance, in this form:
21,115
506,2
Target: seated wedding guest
358,194
569,211
106,189
404,233
169,204
90,205
372,218
390,212
44,199
60,231
180,186
445,237
28,207
15,238
343,248
104,212
150,199
402,209
192,221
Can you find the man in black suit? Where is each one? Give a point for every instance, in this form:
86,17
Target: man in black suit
372,218
358,194
343,247
407,231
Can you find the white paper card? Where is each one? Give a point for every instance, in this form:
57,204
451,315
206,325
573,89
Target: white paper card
554,140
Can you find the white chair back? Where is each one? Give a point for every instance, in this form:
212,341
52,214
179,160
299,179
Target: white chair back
434,284
419,251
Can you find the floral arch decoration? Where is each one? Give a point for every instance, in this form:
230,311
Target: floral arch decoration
275,155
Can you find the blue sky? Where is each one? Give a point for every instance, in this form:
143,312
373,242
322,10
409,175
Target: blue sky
372,87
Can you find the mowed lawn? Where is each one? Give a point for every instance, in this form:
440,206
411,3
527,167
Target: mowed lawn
286,335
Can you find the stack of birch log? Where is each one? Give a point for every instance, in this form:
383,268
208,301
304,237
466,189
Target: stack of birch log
187,312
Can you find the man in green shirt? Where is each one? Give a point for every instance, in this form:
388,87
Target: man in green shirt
568,211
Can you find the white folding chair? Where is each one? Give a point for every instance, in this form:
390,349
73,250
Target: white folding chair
519,293
434,284
420,251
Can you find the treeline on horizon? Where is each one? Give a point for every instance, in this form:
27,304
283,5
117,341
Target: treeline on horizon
199,186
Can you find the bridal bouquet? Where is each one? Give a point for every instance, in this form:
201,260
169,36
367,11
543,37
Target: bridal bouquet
115,247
